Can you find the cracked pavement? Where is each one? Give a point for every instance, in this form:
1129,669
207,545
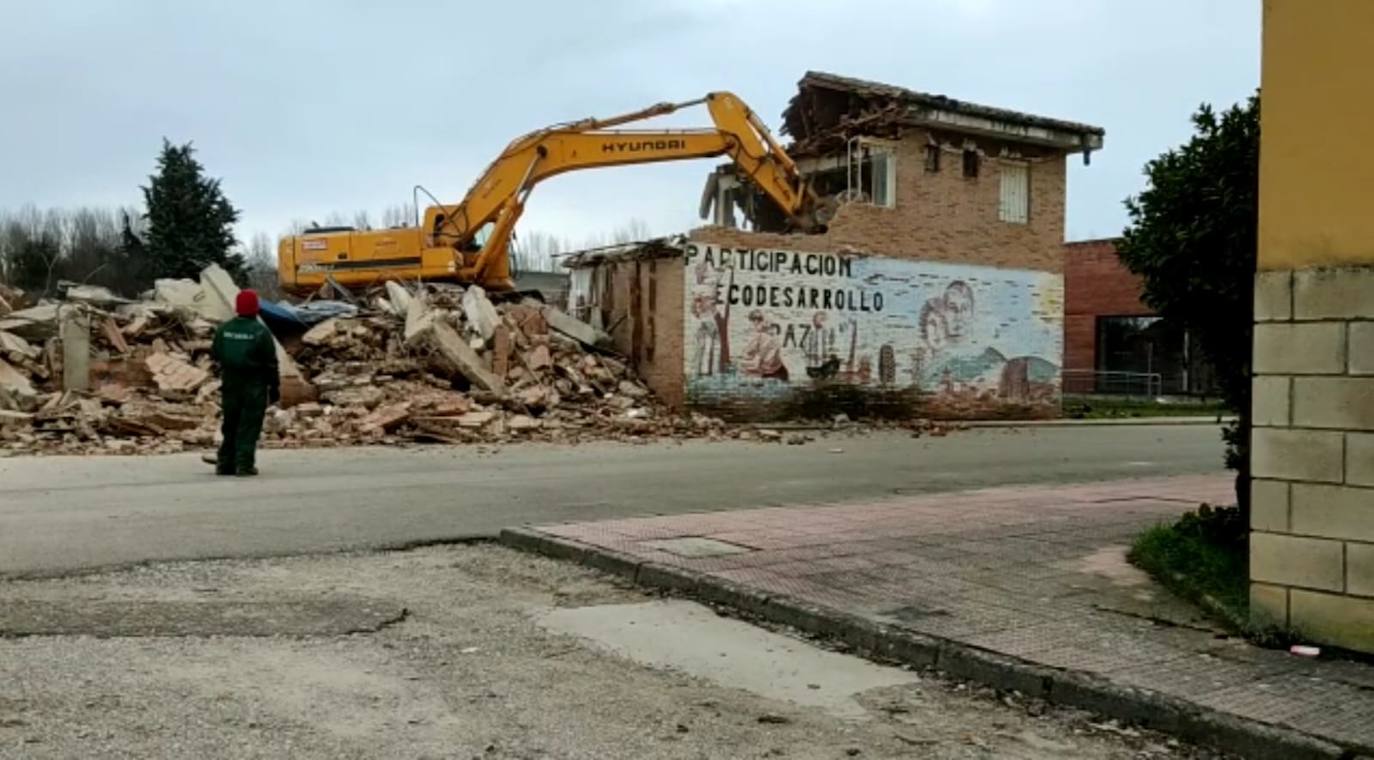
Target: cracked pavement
313,657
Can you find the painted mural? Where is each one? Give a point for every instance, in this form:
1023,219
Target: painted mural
971,340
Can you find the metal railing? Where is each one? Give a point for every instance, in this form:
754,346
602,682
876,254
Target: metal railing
1148,384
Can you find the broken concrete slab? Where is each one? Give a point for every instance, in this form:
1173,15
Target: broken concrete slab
386,419
16,392
186,298
18,348
399,298
220,293
321,333
522,422
481,315
574,328
450,355
94,295
36,323
419,318
173,374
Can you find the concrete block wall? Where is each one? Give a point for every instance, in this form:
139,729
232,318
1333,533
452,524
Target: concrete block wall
1312,526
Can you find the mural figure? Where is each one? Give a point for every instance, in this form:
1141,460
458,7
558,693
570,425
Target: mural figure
958,309
819,341
762,355
711,352
706,340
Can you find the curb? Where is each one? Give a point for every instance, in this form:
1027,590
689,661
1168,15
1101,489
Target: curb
1171,715
1106,422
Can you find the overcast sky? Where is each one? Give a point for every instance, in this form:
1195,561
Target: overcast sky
307,107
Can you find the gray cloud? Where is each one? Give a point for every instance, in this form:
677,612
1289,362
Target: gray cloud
309,107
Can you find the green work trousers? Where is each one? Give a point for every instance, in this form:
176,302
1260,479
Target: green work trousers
243,403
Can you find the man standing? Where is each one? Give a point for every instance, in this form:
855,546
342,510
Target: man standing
247,356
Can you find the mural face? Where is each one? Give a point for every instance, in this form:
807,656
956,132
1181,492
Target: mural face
767,324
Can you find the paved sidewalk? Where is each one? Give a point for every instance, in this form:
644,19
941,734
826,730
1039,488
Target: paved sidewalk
1031,582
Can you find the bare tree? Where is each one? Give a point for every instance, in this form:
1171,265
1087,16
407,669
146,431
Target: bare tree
261,264
536,251
398,216
361,220
634,231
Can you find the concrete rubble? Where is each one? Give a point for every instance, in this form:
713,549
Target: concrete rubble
429,363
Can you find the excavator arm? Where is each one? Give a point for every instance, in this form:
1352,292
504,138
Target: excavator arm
446,245
498,197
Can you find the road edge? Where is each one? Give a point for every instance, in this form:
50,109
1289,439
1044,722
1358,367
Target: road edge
1070,422
1186,720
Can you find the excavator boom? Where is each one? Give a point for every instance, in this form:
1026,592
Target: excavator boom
444,248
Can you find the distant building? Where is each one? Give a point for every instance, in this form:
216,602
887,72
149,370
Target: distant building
1113,342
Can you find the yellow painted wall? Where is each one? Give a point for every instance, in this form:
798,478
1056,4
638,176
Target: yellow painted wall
1317,134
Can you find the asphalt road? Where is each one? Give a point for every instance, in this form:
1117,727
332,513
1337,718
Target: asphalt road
61,514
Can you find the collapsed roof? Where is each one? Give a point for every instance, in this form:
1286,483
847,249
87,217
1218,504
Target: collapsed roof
829,109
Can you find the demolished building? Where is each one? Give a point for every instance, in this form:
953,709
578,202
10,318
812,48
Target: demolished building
96,373
936,289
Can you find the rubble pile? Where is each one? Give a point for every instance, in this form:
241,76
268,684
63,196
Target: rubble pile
433,363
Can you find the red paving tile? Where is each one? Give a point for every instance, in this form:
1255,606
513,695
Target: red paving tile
1003,569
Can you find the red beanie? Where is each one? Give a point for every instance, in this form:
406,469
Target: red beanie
247,303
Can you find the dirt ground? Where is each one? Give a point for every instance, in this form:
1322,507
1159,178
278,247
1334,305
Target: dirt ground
434,653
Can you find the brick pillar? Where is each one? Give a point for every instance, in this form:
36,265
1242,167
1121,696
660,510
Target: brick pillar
1312,528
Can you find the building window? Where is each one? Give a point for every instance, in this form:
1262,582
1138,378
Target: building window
970,163
865,173
932,159
1014,205
882,176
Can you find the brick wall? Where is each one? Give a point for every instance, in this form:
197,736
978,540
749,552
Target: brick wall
1096,284
941,216
660,362
641,309
1312,539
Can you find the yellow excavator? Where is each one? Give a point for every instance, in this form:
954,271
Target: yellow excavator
469,242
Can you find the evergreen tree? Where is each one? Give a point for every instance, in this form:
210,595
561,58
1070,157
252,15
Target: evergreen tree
1192,239
190,222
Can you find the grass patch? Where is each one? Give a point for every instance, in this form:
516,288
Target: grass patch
1089,408
1203,557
